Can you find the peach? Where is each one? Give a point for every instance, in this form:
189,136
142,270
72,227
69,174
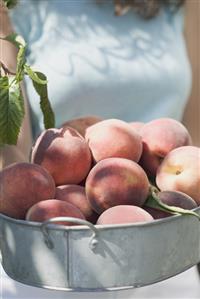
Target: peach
180,171
44,210
75,195
124,214
82,123
114,138
159,137
171,198
21,186
64,153
116,181
136,125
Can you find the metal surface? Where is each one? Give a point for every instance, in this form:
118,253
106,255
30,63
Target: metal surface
121,256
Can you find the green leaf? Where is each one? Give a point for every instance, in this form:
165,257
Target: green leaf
10,3
153,201
16,39
21,60
20,43
3,84
33,75
45,105
11,111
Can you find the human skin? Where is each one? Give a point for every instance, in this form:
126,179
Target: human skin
191,116
8,52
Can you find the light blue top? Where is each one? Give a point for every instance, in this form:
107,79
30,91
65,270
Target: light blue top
96,63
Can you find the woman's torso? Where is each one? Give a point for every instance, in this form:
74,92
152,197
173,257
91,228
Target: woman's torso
96,63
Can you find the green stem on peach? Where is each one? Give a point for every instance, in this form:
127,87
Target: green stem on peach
153,201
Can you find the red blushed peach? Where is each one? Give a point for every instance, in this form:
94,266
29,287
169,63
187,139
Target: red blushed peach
171,198
64,153
21,186
75,195
180,171
159,137
116,181
82,123
113,138
45,210
124,214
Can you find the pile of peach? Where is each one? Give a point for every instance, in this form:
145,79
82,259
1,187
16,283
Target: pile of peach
101,170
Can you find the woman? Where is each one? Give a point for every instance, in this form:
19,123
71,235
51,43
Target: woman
86,54
133,66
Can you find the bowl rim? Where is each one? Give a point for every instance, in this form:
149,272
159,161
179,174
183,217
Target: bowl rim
152,223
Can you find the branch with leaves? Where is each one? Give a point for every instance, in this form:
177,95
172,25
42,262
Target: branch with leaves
153,201
11,100
10,3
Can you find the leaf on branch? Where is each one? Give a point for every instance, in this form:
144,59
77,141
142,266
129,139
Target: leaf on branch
11,100
5,70
10,3
20,43
16,39
153,201
12,111
45,105
34,76
21,61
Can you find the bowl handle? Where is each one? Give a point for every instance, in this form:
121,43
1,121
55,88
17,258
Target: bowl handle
44,228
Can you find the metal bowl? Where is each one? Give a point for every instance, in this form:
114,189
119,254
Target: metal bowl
98,257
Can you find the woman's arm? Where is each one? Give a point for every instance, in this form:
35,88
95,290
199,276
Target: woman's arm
192,32
8,51
10,154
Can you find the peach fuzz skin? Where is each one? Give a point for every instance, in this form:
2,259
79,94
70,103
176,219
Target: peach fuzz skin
82,123
22,185
116,181
45,210
75,195
180,171
159,137
124,214
113,138
137,125
64,153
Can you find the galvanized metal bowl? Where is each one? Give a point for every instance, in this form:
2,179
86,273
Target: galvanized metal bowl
98,258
